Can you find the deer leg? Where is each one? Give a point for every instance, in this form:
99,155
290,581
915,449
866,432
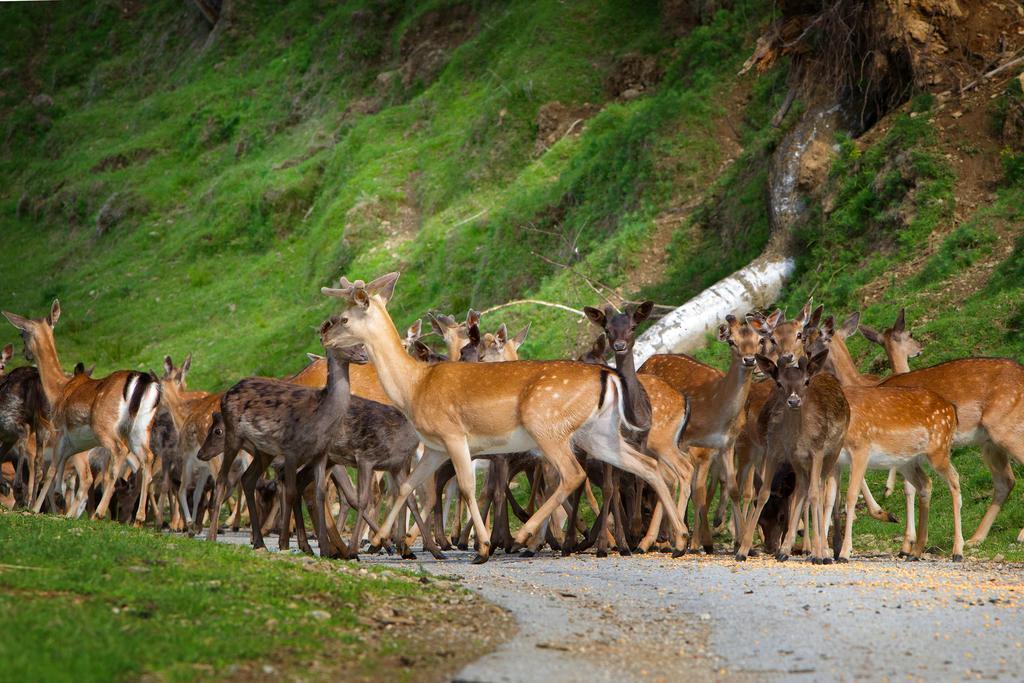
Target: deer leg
700,509
249,479
923,484
364,478
427,465
429,544
817,503
858,466
798,502
767,474
220,490
609,483
329,546
61,451
942,464
115,467
890,483
620,517
560,455
874,509
995,457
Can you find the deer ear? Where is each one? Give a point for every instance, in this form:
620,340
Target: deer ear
186,365
421,351
775,318
472,318
767,366
502,334
595,315
817,362
815,317
314,357
474,335
901,321
8,352
168,366
872,335
723,332
54,313
17,320
384,286
435,324
415,330
601,345
521,337
849,327
759,324
828,327
361,298
642,312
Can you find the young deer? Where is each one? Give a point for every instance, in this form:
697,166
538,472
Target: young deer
498,347
804,423
462,409
653,405
892,427
717,400
273,418
988,394
115,412
899,345
455,335
24,419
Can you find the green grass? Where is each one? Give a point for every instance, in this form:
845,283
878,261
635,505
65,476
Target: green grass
87,601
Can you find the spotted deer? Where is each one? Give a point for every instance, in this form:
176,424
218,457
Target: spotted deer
461,409
899,427
272,418
988,395
804,424
115,412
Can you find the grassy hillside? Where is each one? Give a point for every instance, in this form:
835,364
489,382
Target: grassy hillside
182,191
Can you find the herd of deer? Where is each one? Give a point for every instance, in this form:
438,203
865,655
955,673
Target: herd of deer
656,441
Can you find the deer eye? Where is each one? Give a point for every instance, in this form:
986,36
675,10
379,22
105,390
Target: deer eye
807,381
778,384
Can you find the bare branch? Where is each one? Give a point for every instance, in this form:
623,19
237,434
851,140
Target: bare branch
535,302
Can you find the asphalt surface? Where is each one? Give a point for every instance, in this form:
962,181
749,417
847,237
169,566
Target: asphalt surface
650,617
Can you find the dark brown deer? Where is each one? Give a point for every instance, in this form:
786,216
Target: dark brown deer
272,418
804,423
656,408
24,420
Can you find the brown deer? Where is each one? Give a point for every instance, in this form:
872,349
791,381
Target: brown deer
272,418
653,405
24,420
717,400
461,409
498,347
115,412
455,335
804,424
899,345
892,427
988,394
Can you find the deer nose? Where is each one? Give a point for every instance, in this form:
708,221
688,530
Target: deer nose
785,360
793,401
619,345
749,362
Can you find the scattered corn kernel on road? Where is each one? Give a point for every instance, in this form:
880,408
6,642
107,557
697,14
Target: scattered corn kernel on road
650,618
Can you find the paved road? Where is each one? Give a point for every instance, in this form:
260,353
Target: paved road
650,617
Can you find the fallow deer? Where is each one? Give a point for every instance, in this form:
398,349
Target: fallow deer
24,420
455,335
899,345
653,404
461,409
988,394
892,427
498,347
273,418
717,400
115,412
804,423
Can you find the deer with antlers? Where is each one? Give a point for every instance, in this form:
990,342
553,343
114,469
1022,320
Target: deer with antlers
115,412
462,409
988,395
804,424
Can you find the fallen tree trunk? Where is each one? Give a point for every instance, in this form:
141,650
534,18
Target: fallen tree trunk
686,328
760,283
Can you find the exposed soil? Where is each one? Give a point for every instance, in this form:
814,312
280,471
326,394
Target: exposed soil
556,121
426,46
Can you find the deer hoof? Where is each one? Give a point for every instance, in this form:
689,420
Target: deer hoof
740,557
408,555
526,552
903,553
480,559
827,560
438,555
462,546
781,557
754,552
678,552
602,553
893,518
958,558
913,558
639,550
843,560
709,550
624,552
